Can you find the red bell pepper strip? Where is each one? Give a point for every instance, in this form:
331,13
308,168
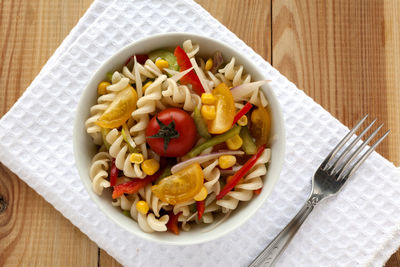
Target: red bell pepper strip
242,112
172,224
184,64
140,59
113,173
133,186
257,191
241,173
201,206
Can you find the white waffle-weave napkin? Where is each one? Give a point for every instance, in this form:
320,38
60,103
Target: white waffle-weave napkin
358,227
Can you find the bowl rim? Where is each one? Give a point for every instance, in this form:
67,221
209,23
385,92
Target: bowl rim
278,118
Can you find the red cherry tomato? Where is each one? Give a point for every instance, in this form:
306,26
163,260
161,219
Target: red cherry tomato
179,133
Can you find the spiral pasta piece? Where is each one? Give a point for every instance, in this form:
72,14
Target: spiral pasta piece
152,200
215,80
145,105
183,207
152,221
234,73
252,181
211,175
190,48
120,151
128,203
149,223
99,172
179,96
147,71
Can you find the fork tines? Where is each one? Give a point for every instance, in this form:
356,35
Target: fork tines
343,167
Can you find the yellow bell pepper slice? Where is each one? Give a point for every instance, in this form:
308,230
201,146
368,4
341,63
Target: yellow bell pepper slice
260,125
119,110
181,186
224,109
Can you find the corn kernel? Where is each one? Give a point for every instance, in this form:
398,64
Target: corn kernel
226,161
136,158
207,99
146,86
242,121
162,63
102,88
208,112
209,64
201,195
142,207
150,166
234,143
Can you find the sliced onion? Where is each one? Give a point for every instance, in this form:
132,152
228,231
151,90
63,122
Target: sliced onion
177,76
203,158
171,72
200,74
246,89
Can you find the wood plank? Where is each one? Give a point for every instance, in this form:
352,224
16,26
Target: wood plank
336,51
32,232
106,260
346,56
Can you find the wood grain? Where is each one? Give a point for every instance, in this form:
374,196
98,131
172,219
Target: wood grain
341,54
32,232
344,54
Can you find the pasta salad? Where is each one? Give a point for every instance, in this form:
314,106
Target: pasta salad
181,138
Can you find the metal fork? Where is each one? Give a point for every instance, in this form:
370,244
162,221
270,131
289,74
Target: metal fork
331,175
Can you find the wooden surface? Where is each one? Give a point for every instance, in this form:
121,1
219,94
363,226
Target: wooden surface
344,54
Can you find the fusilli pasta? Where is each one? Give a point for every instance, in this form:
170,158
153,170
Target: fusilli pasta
179,96
190,48
120,151
145,105
244,190
234,73
154,202
98,172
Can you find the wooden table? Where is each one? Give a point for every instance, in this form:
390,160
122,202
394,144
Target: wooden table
344,54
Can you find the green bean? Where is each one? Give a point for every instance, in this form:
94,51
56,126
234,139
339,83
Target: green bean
249,147
200,124
235,130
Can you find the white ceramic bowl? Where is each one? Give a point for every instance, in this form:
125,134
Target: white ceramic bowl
84,148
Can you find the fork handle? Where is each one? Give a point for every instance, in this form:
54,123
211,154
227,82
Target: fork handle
269,255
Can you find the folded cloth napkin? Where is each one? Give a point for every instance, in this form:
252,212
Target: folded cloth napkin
360,226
